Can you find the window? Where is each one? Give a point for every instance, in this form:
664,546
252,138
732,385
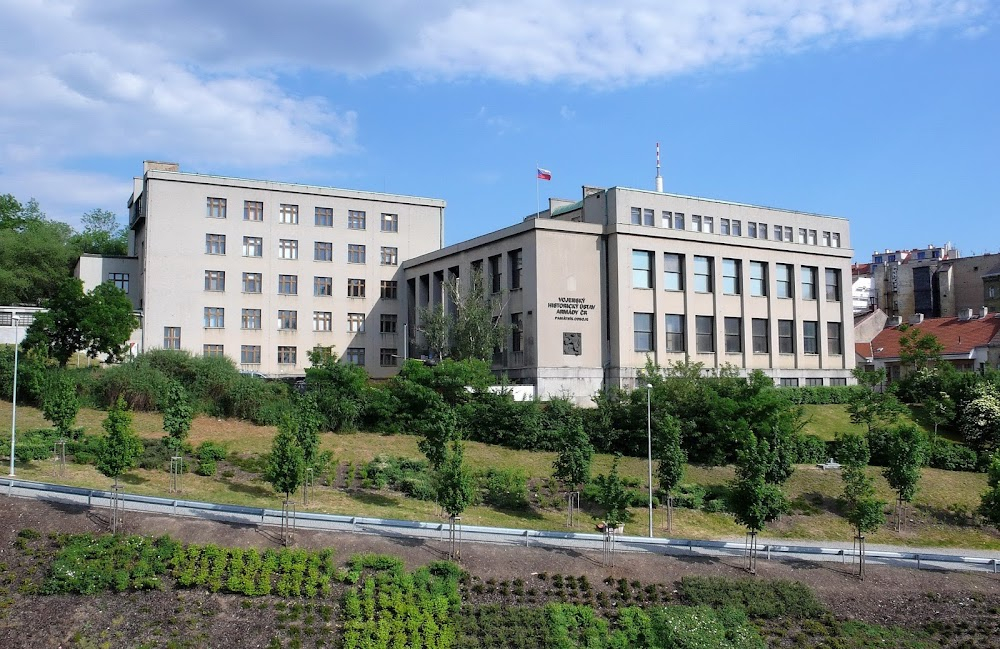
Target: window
809,282
724,226
840,383
355,287
212,350
253,247
171,337
515,260
731,276
216,208
811,238
389,289
636,216
288,320
695,223
288,284
788,383
355,323
252,282
834,341
215,244
704,330
642,269
323,286
810,337
751,229
355,253
707,224
668,219
678,220
355,356
516,332
287,355
387,323
761,339
387,356
322,321
250,354
643,329
390,223
783,279
647,217
250,319
324,217
494,268
758,278
922,255
836,244
826,239
673,323
833,285
323,251
814,383
878,259
356,220
734,335
288,249
120,280
788,234
215,317
642,216
786,337
703,274
288,214
673,271
802,235
737,228
253,211
777,233
390,256
215,280
762,229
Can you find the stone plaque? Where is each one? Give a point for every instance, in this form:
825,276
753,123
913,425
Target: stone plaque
572,344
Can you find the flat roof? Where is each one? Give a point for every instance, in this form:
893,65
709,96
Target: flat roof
722,202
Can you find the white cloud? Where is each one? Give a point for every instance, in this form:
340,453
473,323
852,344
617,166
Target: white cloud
567,113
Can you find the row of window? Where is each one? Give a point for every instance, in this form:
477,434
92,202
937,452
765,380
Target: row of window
215,280
811,382
515,265
216,208
215,318
921,254
734,227
215,244
704,338
732,276
286,354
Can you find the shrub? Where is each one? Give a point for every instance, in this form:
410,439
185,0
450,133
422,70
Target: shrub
758,598
506,488
809,449
952,457
156,454
137,381
208,454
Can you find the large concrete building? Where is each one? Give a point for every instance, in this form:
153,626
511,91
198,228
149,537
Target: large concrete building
594,288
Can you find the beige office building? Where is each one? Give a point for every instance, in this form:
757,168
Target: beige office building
593,289
263,271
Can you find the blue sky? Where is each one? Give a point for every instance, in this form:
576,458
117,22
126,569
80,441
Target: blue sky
883,111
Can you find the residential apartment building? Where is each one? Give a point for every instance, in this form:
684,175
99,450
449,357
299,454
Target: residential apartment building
592,289
263,272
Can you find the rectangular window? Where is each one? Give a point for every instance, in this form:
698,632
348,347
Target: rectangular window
390,256
516,332
835,382
389,289
708,224
215,244
250,319
786,337
212,350
288,320
836,243
515,259
809,274
288,214
673,271
734,335
695,223
215,317
673,324
762,229
834,341
356,220
387,323
323,251
811,239
390,223
810,337
288,249
171,337
324,217
833,285
387,356
636,216
703,274
355,253
287,355
643,330
788,383
355,356
252,282
215,280
783,279
761,336
724,226
668,219
777,233
758,278
647,217
322,321
751,229
216,208
355,323
678,220
788,234
731,269
323,286
250,354
288,284
253,211
495,278
120,280
814,383
802,235
825,239
704,330
642,269
355,287
253,247
737,228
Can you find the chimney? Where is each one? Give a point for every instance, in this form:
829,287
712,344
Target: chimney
964,314
984,311
659,179
916,318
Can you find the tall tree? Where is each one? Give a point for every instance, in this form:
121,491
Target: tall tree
310,421
286,462
102,234
671,459
874,407
471,327
753,500
989,506
109,321
60,404
36,254
918,349
863,509
613,496
907,452
455,487
574,452
177,416
120,448
435,424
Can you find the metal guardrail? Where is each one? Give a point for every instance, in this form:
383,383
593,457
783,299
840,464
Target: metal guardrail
500,535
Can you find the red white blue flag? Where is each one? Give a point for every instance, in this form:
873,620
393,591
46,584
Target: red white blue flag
544,174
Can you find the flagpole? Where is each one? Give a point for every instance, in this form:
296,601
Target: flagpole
538,209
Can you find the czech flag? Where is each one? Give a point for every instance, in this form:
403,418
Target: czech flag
544,174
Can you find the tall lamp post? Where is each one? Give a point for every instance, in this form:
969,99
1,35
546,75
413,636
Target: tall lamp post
13,413
649,443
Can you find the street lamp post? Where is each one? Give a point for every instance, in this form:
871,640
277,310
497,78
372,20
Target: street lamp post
13,411
649,443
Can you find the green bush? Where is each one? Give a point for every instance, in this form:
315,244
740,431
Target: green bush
821,394
86,564
209,453
952,457
505,488
137,381
156,454
758,598
810,449
690,496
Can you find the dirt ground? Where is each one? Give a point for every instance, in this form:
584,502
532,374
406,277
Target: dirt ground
889,596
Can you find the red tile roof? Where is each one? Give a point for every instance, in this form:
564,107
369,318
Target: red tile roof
957,336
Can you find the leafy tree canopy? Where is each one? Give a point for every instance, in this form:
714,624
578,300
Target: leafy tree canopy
575,452
102,234
120,449
455,486
907,452
613,496
286,462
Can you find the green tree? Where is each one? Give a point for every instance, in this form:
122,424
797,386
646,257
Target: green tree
671,458
60,404
310,421
980,420
36,255
989,506
120,448
918,349
286,462
862,508
470,327
339,389
940,409
435,325
907,453
753,501
613,496
177,416
108,322
102,235
454,485
436,427
874,407
574,450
